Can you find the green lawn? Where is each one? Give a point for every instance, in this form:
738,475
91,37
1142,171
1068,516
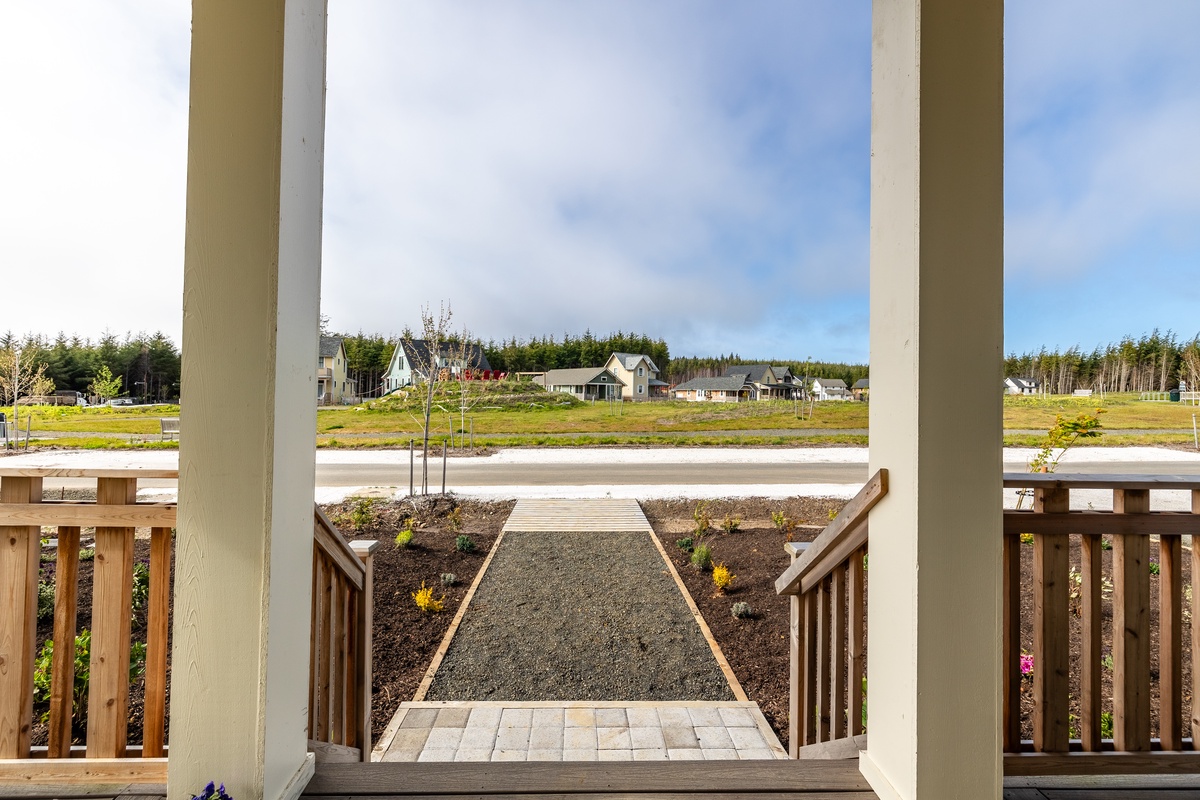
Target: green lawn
509,415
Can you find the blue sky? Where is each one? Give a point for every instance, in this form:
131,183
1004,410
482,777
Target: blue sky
697,170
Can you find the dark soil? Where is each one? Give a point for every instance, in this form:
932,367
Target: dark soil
574,616
756,647
405,638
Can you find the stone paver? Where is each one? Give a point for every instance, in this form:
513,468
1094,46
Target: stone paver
578,731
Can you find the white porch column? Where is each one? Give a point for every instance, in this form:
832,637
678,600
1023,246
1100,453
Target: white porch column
239,664
934,682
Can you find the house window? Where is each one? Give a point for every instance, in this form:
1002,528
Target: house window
641,371
641,388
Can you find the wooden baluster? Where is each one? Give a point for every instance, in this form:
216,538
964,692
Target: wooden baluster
796,686
320,678
62,670
112,607
1195,627
348,698
1090,550
1170,643
1051,630
808,706
823,659
158,615
1011,591
19,552
335,665
363,645
858,596
1131,628
343,645
837,655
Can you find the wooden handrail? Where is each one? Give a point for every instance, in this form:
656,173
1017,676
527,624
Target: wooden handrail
1065,480
847,533
332,544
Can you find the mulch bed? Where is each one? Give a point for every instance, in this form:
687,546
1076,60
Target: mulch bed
405,638
755,647
578,616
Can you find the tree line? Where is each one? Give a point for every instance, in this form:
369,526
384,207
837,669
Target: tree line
1155,362
148,365
539,354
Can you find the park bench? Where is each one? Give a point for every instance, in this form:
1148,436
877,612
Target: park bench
169,426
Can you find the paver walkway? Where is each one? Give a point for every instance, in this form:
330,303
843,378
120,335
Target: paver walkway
578,730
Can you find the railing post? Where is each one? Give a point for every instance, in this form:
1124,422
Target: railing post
363,655
1131,628
1011,600
19,552
1195,624
112,607
1051,630
158,614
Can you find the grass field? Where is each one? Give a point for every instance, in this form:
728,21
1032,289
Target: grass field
504,416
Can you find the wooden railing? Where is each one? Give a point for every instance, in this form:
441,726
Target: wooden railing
1055,574
1055,561
827,584
339,706
114,515
340,677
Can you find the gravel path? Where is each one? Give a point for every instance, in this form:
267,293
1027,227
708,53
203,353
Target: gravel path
578,616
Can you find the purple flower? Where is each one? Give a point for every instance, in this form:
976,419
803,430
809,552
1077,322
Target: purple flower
1026,663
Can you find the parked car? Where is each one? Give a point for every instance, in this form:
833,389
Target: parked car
121,401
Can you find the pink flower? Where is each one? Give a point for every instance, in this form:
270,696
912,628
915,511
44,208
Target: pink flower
1026,663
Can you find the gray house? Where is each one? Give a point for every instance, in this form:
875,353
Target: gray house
588,383
767,382
726,389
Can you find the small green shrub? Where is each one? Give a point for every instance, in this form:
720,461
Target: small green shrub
779,520
45,600
702,519
449,579
83,659
741,610
702,557
464,544
87,553
1105,543
363,514
730,524
684,544
455,519
404,538
141,585
1107,662
1154,568
1106,725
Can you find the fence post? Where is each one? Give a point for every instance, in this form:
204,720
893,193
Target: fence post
443,466
410,467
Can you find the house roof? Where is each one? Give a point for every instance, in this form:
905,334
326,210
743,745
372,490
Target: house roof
417,352
657,382
862,383
831,383
629,360
329,346
725,383
1022,383
579,377
755,372
781,372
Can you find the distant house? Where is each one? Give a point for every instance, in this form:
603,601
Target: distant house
766,382
636,372
333,385
830,389
861,389
1020,386
588,383
412,360
726,389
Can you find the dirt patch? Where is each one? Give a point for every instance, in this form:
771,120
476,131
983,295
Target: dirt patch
405,638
